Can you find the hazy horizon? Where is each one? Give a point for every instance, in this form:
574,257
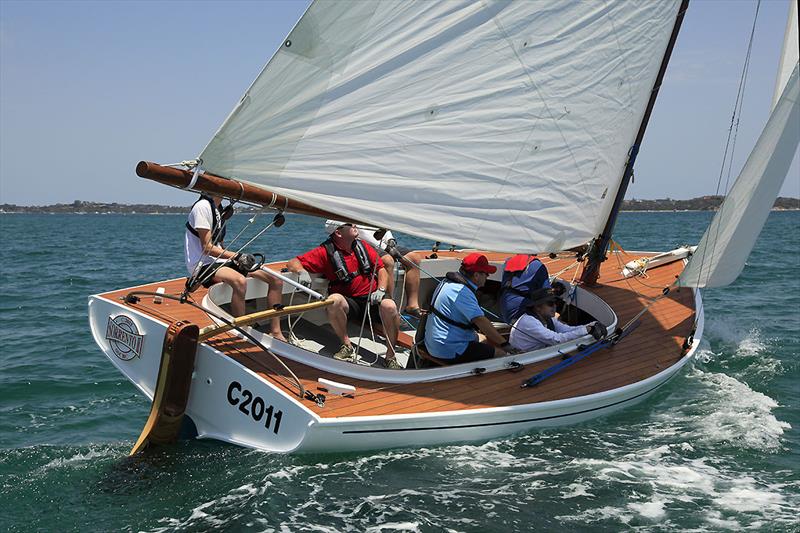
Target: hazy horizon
192,198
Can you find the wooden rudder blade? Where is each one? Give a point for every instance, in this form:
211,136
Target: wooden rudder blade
172,386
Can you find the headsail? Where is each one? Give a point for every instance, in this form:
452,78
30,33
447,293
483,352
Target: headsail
727,242
790,54
492,124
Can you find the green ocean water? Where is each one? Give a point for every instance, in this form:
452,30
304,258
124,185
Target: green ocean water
717,449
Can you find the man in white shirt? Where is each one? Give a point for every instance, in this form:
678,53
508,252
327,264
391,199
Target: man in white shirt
203,245
409,259
539,327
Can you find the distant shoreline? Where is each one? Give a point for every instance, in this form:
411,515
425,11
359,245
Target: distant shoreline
155,213
78,207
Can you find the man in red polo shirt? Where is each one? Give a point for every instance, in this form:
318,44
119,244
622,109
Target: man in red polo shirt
349,265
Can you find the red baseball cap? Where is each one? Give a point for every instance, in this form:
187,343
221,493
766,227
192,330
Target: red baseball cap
476,262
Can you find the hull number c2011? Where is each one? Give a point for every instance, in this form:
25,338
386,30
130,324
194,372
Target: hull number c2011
254,406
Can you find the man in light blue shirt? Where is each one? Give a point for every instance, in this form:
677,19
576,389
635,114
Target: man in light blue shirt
450,333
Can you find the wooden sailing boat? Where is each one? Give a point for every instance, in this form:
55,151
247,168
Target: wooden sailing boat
497,126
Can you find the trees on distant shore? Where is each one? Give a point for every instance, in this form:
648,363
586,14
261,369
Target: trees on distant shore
703,203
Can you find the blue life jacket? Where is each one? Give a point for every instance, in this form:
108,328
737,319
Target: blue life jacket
522,274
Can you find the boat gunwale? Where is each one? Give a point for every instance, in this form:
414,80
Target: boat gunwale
665,375
271,378
419,375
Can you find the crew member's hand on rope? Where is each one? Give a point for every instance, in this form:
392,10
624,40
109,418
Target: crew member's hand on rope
244,261
377,296
510,350
597,330
304,278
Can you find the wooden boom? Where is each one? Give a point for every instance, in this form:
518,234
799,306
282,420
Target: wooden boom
229,188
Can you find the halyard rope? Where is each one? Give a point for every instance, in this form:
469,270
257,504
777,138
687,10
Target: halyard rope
367,313
733,131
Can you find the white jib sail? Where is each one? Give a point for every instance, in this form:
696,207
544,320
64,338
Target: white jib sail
492,124
790,54
726,244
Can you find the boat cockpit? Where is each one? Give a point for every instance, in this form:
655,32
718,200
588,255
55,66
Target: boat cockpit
313,342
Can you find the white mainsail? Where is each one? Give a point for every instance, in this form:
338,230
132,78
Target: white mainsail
726,244
491,124
790,54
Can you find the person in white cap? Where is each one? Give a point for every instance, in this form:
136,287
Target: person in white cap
357,283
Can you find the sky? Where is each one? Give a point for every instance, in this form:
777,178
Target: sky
87,89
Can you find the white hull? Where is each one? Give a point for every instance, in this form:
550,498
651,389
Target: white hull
273,420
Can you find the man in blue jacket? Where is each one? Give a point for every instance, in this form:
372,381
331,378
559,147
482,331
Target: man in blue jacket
450,333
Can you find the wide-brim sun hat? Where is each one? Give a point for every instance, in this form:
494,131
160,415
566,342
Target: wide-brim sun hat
542,296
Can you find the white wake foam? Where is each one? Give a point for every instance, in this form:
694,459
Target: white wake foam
80,457
662,482
745,347
733,413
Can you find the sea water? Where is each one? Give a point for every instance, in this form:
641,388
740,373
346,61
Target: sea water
716,449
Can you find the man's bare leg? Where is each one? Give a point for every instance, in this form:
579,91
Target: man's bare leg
388,264
412,279
337,317
390,320
237,283
274,297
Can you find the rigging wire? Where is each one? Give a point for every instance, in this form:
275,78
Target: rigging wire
730,143
211,272
367,313
293,338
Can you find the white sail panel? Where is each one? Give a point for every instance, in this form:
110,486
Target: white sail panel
726,244
491,124
790,54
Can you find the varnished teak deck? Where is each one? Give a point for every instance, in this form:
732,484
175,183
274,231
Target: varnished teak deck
655,345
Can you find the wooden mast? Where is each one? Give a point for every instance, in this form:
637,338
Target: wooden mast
597,254
228,188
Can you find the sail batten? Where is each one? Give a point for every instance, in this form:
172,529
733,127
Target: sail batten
492,124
